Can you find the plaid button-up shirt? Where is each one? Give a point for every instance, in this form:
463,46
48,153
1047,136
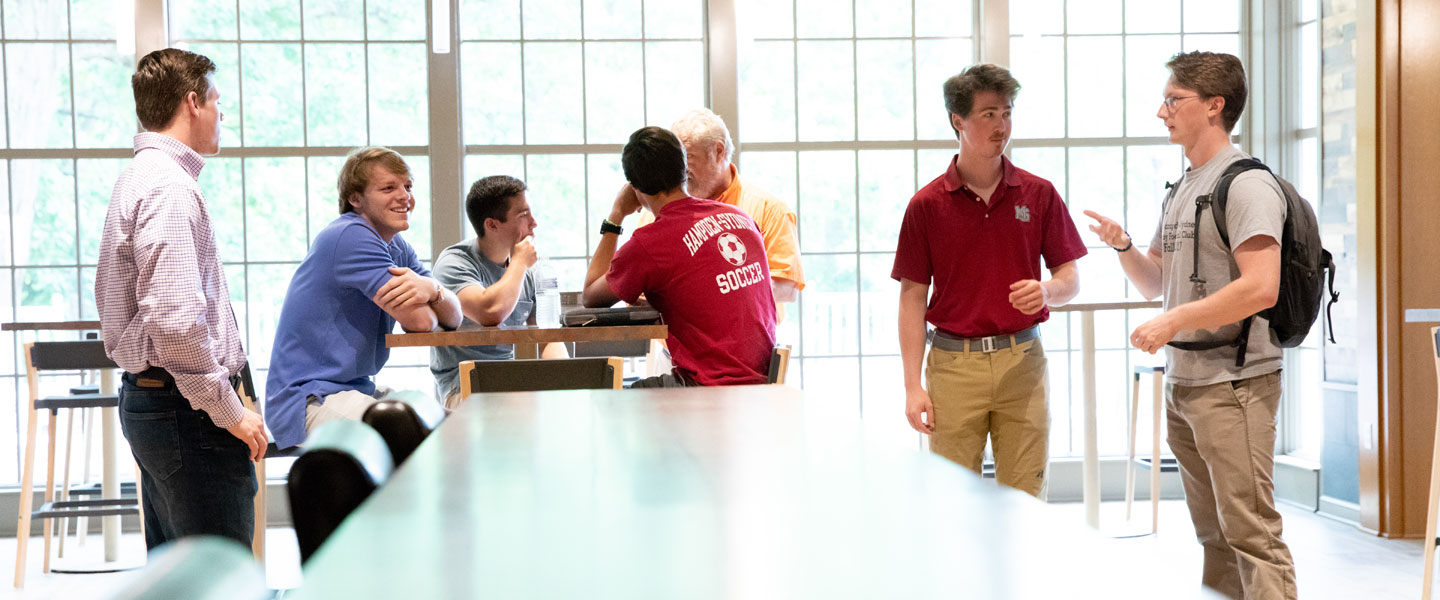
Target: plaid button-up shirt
159,285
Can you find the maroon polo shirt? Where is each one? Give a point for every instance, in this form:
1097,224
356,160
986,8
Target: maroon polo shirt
973,252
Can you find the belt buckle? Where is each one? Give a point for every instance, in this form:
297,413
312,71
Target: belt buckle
987,344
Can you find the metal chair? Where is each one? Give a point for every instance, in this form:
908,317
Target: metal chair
197,568
343,463
779,364
487,376
61,356
404,420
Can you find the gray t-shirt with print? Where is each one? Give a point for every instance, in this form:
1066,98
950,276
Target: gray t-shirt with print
458,267
1255,206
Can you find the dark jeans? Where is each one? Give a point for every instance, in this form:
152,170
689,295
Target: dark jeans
664,380
196,478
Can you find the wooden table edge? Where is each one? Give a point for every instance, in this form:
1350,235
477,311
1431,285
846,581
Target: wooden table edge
492,336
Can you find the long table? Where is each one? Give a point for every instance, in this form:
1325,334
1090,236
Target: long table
473,335
743,492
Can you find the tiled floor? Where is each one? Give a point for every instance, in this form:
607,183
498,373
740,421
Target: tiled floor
282,557
1334,560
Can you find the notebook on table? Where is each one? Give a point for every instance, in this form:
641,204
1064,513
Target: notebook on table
619,315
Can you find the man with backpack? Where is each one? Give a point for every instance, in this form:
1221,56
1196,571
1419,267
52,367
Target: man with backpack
1220,402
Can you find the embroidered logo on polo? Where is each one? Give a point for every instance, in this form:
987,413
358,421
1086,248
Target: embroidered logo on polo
1022,214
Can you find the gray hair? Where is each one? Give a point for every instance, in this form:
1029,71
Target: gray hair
704,126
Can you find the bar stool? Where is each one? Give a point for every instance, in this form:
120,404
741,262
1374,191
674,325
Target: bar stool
60,356
1157,374
1430,518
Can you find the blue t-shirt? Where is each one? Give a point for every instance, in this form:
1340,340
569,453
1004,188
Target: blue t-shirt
331,334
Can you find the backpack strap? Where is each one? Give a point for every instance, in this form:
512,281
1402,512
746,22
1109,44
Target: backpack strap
1215,201
1329,264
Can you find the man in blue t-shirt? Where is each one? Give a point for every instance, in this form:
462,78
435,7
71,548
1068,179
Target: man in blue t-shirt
359,279
490,274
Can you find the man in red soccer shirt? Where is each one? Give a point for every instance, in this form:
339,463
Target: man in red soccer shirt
701,264
979,231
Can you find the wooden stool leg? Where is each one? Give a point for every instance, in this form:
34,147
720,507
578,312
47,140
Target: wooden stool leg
27,480
1430,516
257,544
1157,394
47,524
1130,462
65,480
87,424
139,498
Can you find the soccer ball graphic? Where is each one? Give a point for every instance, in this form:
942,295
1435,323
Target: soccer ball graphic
731,248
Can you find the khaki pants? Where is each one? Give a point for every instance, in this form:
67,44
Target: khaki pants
1000,395
1223,435
346,404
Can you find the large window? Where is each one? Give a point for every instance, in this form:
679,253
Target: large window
301,84
65,132
551,90
1302,412
1092,76
841,115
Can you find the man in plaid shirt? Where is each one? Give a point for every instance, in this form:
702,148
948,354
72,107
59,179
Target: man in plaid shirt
166,317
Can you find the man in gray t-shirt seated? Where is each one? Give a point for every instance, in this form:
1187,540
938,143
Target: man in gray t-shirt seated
490,273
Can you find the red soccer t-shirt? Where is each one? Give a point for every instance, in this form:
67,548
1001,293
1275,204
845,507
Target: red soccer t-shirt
702,265
974,251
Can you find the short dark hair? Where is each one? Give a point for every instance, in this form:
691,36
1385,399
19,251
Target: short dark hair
654,160
355,173
1213,74
961,89
163,79
489,198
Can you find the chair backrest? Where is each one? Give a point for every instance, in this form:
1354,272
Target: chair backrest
779,364
404,420
199,568
343,463
488,376
68,356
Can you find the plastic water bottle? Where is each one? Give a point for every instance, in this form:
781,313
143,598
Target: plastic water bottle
547,295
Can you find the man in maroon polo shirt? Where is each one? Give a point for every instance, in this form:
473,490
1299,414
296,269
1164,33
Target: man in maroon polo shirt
979,231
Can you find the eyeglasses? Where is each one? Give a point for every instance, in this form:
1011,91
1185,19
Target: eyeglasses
1171,101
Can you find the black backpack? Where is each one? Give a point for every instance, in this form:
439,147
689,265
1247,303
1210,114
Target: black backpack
1303,266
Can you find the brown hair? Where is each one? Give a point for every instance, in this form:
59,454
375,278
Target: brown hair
163,79
960,90
1212,74
489,198
355,175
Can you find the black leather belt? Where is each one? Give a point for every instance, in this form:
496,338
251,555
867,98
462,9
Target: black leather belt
156,377
950,343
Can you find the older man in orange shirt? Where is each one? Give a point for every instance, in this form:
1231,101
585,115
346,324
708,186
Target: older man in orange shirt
712,176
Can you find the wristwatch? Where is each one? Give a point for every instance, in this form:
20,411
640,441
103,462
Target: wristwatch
607,227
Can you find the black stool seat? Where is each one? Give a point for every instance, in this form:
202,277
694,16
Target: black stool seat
90,388
103,507
78,401
1167,464
95,489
